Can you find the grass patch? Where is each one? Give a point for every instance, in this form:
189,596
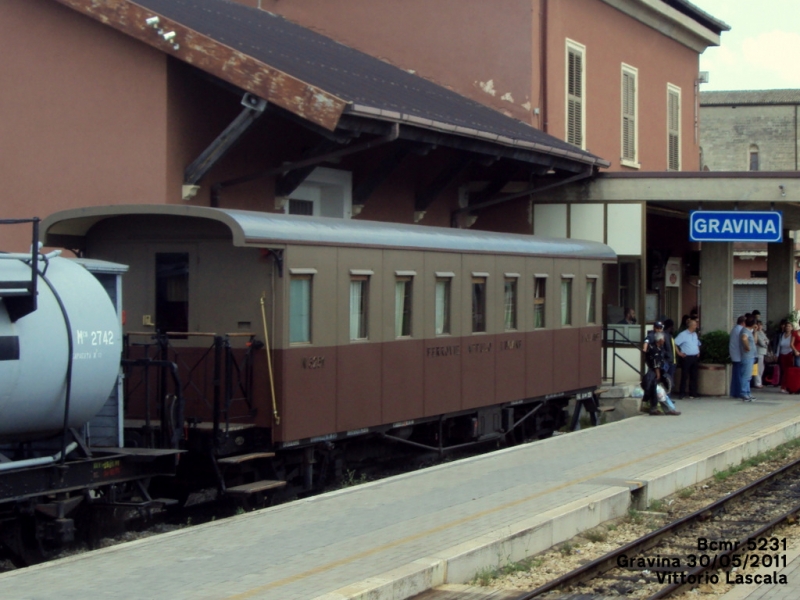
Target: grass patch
634,516
350,479
657,505
779,453
566,548
595,535
611,526
685,493
486,576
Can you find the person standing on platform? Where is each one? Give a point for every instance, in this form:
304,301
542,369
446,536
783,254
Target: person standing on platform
689,350
672,349
762,345
735,350
748,357
782,348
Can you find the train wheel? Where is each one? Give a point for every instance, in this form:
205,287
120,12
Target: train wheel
22,540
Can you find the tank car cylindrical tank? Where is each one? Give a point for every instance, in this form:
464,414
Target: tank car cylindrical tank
34,362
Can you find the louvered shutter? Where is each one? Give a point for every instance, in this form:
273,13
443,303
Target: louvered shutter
575,98
673,131
628,116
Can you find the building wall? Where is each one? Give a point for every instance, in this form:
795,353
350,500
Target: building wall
729,131
612,38
479,49
492,53
76,136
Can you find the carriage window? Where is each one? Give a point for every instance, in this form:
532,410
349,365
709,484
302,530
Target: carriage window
402,304
510,303
566,301
591,300
172,291
443,306
300,309
359,304
478,304
539,294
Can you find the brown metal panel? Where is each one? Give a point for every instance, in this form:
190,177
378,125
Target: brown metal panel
591,356
307,387
403,382
296,96
539,363
358,385
442,366
566,358
478,370
510,366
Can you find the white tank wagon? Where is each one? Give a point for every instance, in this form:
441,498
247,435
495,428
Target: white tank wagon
71,340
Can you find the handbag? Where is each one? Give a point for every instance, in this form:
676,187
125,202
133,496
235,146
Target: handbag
770,358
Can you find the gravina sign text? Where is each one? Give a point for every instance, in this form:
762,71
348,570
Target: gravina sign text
735,226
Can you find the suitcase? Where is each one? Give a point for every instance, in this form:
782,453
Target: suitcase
793,380
772,375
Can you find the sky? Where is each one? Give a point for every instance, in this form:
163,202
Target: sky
762,49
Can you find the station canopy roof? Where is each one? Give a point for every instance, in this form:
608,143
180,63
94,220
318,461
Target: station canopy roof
321,80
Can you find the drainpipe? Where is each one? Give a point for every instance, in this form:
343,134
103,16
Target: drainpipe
543,64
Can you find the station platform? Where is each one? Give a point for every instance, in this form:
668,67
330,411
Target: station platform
394,538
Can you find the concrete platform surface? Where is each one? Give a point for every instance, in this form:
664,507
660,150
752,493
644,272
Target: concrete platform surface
397,537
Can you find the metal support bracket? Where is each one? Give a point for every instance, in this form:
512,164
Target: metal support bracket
253,108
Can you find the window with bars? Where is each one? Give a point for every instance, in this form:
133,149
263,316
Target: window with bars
443,305
478,304
402,310
300,309
359,305
575,93
591,300
510,303
629,120
539,295
673,128
566,301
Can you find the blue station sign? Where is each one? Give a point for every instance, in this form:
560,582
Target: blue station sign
735,226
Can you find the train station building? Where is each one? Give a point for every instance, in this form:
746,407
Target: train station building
575,119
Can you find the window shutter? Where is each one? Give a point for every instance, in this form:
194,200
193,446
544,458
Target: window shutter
628,116
575,98
673,131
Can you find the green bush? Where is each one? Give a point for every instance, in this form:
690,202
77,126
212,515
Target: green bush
714,348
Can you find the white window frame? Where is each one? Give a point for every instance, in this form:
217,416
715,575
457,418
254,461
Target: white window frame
631,115
443,319
580,49
306,316
513,279
673,90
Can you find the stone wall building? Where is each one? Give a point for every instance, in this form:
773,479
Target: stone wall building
750,131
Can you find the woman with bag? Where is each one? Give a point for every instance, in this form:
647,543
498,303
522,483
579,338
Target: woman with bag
762,346
782,348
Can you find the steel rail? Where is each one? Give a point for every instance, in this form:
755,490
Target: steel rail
609,561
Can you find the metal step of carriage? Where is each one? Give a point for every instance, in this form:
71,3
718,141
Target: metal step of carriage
11,289
253,487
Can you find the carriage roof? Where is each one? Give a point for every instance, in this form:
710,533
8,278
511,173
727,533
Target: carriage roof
262,229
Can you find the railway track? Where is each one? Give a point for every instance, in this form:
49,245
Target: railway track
726,541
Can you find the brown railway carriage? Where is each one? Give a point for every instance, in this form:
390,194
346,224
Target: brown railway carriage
372,326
